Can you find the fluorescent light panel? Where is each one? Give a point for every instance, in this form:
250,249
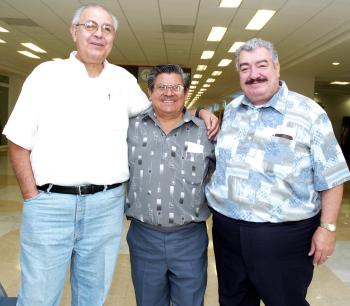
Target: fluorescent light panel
194,82
206,85
201,67
340,83
224,62
207,54
259,20
33,47
235,46
210,80
197,76
215,73
2,41
29,54
230,3
216,33
335,63
3,30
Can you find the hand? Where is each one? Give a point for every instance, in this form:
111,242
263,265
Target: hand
30,195
211,122
322,245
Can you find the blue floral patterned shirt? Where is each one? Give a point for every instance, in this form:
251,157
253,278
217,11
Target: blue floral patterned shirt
272,161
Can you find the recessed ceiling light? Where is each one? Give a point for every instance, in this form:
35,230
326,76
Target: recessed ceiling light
193,87
207,54
197,76
201,67
203,89
235,46
206,85
260,18
3,30
224,62
340,83
230,3
210,80
194,82
216,33
29,54
33,47
2,41
215,73
335,63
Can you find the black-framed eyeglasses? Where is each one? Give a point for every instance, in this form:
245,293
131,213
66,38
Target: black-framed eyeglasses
92,26
177,88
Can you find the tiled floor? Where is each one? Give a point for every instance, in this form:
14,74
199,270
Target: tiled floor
330,287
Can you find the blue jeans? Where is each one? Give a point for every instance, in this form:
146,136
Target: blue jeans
168,267
59,230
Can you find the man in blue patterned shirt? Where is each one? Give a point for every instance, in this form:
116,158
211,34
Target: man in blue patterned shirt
277,188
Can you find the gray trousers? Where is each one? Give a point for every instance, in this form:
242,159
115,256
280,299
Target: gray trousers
168,267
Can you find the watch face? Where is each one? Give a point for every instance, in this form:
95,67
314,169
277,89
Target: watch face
330,227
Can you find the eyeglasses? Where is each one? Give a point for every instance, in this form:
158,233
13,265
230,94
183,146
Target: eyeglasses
177,88
92,26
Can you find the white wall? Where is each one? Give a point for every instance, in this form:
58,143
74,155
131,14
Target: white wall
303,84
337,107
15,86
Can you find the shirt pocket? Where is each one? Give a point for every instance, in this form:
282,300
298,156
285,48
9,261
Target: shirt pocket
192,170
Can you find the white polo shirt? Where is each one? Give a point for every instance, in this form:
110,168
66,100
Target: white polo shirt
76,126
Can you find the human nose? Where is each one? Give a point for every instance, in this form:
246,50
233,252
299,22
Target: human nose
168,90
253,72
98,32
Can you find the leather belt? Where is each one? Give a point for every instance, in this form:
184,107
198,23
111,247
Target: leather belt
79,190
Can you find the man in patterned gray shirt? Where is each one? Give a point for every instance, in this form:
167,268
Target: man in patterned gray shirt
277,188
170,158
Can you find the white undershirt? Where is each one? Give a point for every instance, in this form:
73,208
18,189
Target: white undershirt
76,126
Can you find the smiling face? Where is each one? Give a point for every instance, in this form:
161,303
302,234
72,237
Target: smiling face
168,103
93,47
259,75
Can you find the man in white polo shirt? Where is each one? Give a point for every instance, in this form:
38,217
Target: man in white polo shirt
67,144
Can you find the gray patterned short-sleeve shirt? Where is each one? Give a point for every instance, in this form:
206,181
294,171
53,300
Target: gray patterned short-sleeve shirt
168,172
273,161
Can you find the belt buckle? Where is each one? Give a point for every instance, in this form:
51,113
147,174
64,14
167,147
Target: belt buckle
79,190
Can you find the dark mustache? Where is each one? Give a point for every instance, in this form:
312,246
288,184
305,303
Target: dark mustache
257,80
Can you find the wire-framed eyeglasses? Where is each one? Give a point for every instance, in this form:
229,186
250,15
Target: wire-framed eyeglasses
92,26
176,88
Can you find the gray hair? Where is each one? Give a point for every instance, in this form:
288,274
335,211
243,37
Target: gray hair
253,44
168,68
81,9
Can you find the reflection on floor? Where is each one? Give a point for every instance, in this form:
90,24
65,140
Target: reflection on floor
330,287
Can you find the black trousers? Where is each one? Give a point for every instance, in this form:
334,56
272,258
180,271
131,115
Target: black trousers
263,261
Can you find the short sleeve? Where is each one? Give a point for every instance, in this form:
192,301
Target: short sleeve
329,165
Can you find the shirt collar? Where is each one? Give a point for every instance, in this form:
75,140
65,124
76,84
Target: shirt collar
277,101
187,117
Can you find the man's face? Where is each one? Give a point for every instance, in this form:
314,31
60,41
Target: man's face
168,102
93,46
259,76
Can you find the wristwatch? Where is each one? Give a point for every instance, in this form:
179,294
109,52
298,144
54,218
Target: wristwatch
329,227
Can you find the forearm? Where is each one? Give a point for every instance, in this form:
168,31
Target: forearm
20,160
331,202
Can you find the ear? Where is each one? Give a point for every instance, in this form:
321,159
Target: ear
73,32
277,68
186,94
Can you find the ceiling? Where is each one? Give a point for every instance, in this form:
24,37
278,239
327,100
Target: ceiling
308,34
